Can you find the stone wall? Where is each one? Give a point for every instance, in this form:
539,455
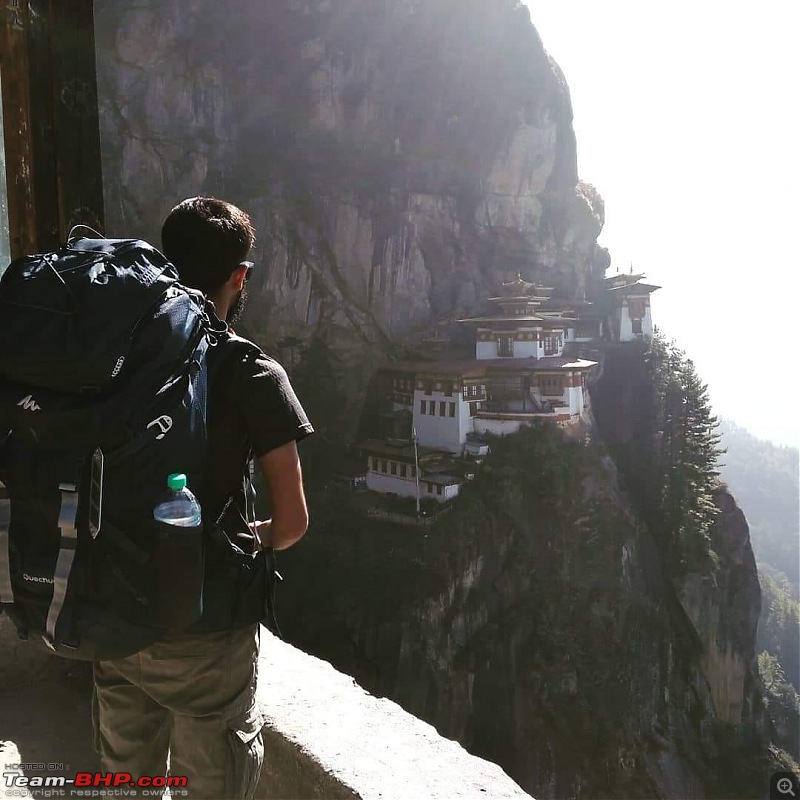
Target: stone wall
325,736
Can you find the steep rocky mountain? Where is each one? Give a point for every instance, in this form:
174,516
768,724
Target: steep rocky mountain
401,158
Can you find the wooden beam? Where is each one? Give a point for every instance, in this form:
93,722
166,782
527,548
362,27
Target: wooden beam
51,125
14,69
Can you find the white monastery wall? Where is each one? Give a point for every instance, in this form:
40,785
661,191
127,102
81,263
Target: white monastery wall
464,422
378,482
647,323
626,333
435,430
451,491
526,349
575,399
485,350
625,326
499,427
431,490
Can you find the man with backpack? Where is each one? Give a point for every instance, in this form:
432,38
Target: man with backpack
192,694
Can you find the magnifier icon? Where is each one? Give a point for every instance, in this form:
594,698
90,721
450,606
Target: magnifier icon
784,786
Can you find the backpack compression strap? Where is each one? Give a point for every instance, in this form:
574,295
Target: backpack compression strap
66,555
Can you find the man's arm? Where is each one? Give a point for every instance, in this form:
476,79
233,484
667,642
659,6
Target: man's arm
282,473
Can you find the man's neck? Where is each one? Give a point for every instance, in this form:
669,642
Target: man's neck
221,307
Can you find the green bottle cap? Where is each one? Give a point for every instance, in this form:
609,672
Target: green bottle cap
176,481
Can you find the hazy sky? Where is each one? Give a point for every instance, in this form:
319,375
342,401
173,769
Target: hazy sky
688,122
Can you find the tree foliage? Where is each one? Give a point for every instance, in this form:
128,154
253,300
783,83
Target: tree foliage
683,455
779,627
783,703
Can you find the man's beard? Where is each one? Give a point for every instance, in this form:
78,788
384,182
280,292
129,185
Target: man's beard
235,311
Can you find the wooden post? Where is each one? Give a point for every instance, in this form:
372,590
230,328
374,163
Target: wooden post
17,127
51,127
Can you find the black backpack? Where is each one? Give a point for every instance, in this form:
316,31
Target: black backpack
103,376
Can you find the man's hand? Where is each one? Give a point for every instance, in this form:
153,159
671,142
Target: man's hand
261,528
281,470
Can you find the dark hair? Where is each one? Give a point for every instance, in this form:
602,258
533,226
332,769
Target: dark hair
206,239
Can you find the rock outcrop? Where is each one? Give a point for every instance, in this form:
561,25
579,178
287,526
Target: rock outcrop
399,159
539,625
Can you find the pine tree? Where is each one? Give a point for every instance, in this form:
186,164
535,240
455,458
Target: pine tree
683,461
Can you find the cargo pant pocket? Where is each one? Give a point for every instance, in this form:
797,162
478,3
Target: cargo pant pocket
246,753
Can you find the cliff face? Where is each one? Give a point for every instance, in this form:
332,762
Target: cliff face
538,625
399,157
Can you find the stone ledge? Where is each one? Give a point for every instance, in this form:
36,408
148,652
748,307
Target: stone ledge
328,738
325,736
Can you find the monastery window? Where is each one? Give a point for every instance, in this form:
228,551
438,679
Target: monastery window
442,408
636,325
422,405
474,391
403,470
384,468
637,307
438,489
394,468
430,488
550,346
551,385
505,346
452,409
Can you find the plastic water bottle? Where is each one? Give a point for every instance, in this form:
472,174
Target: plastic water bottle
182,508
178,558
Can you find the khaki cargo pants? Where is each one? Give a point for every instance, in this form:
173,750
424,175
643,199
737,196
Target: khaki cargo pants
192,696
